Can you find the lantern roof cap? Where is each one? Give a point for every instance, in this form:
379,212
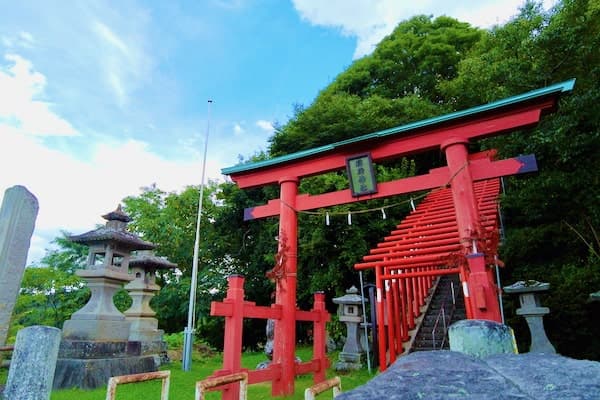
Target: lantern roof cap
147,259
115,230
351,297
527,286
117,215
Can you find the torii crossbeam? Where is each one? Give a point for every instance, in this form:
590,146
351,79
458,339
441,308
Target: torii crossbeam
449,133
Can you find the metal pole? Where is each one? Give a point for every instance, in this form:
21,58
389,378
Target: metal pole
188,333
364,310
499,291
502,234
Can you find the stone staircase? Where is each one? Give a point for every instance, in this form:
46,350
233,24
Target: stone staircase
446,306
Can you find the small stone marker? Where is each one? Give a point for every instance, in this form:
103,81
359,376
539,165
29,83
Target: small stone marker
33,363
17,220
481,338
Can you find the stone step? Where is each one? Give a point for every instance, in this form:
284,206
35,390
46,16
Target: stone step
453,311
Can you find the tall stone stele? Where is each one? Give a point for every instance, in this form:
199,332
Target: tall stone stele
144,325
95,341
17,220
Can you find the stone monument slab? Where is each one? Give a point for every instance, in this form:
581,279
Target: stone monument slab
17,221
33,364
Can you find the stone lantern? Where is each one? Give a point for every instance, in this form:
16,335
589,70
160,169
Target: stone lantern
95,341
533,312
144,327
350,312
107,269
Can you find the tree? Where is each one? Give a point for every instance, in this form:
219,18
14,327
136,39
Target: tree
396,84
50,293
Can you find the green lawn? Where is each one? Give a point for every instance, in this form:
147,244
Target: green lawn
182,385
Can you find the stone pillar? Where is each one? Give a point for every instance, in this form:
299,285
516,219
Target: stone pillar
144,325
33,364
17,220
533,312
481,338
350,312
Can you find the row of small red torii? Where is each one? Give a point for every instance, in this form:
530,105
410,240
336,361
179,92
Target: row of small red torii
451,134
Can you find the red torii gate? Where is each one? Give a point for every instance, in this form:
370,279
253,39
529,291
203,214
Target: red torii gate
451,134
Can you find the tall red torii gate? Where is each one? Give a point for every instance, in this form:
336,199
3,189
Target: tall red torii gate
451,133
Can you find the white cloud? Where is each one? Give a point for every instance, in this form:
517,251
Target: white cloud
265,125
26,39
73,192
237,129
368,21
20,104
123,60
109,36
371,20
22,39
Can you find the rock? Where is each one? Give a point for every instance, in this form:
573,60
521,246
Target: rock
449,374
481,338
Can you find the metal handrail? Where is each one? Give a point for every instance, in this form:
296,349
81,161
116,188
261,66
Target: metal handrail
213,382
333,383
442,314
164,376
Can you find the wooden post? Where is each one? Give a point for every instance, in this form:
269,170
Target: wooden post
381,319
234,323
319,335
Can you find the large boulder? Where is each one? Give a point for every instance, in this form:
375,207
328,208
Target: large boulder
449,374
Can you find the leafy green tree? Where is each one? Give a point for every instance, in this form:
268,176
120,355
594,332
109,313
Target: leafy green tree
396,84
51,292
169,220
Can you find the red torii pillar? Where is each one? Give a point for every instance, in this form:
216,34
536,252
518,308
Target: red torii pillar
285,292
480,290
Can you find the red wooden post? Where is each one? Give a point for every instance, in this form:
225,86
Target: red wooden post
232,346
319,335
397,314
389,313
285,294
380,319
480,292
404,309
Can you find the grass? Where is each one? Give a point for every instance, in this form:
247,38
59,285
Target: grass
182,385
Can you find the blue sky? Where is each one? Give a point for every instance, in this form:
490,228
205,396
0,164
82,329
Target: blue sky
99,98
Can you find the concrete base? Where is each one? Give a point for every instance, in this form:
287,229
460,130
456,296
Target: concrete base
349,361
146,335
150,348
96,329
94,373
86,349
89,364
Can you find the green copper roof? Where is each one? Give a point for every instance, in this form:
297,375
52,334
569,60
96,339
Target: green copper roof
562,87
